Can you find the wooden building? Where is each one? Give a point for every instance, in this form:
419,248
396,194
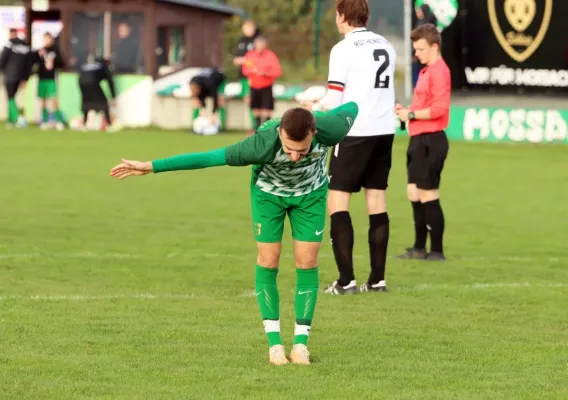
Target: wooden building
156,36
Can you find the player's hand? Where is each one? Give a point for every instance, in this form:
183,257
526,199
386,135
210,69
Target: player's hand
131,168
238,60
397,107
308,105
403,114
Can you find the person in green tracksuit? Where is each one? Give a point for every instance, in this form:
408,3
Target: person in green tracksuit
49,60
289,177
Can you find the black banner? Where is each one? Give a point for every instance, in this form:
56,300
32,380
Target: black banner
509,45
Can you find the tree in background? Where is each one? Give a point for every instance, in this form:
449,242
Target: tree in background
289,27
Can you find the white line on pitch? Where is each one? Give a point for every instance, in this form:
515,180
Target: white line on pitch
190,296
126,256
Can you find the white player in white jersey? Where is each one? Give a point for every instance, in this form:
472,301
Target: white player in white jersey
361,69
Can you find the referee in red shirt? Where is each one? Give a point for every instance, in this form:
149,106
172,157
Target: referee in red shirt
427,117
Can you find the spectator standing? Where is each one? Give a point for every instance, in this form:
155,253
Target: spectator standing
246,44
126,57
49,61
262,67
427,117
16,64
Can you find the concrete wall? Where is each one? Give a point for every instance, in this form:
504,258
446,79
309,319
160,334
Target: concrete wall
176,113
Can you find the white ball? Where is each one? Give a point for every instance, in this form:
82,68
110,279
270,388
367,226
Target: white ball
22,122
205,126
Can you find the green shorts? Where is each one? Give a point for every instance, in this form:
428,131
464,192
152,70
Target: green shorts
245,87
46,89
307,215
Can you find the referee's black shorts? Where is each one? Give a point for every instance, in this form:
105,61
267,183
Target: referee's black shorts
262,99
361,162
425,159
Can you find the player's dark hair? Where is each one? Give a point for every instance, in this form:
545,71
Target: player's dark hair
428,32
13,31
298,123
355,12
49,35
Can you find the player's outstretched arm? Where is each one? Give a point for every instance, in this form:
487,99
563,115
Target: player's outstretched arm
181,162
335,124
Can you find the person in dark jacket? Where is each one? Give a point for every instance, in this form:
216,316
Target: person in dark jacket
91,75
15,63
49,60
246,44
209,83
126,57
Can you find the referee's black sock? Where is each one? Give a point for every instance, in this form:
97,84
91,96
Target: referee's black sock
342,244
420,229
435,221
378,243
257,122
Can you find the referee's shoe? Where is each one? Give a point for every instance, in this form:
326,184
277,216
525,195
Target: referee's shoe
373,287
337,289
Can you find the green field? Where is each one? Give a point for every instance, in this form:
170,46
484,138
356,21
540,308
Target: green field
143,289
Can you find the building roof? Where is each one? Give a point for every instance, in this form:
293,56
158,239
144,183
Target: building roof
207,5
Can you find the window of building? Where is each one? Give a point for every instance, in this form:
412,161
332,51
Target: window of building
87,38
127,55
170,51
114,36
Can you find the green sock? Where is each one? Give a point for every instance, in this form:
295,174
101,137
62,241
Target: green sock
269,302
307,285
253,120
223,117
59,116
44,115
195,113
12,111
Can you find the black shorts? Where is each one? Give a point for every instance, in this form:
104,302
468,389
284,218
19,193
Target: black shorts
93,98
262,99
425,159
361,162
12,88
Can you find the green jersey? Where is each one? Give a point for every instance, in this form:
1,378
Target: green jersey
273,172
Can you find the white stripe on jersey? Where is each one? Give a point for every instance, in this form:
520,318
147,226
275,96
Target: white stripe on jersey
361,68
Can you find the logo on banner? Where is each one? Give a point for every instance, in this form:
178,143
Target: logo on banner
445,11
516,26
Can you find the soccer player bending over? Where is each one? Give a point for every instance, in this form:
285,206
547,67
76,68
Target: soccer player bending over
94,98
289,157
209,83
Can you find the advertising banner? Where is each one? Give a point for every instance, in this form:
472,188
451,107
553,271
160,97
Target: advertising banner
509,45
509,125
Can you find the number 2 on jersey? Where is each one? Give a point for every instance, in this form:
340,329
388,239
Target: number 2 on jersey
382,56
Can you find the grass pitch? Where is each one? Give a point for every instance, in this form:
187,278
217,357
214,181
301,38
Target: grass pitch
142,289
